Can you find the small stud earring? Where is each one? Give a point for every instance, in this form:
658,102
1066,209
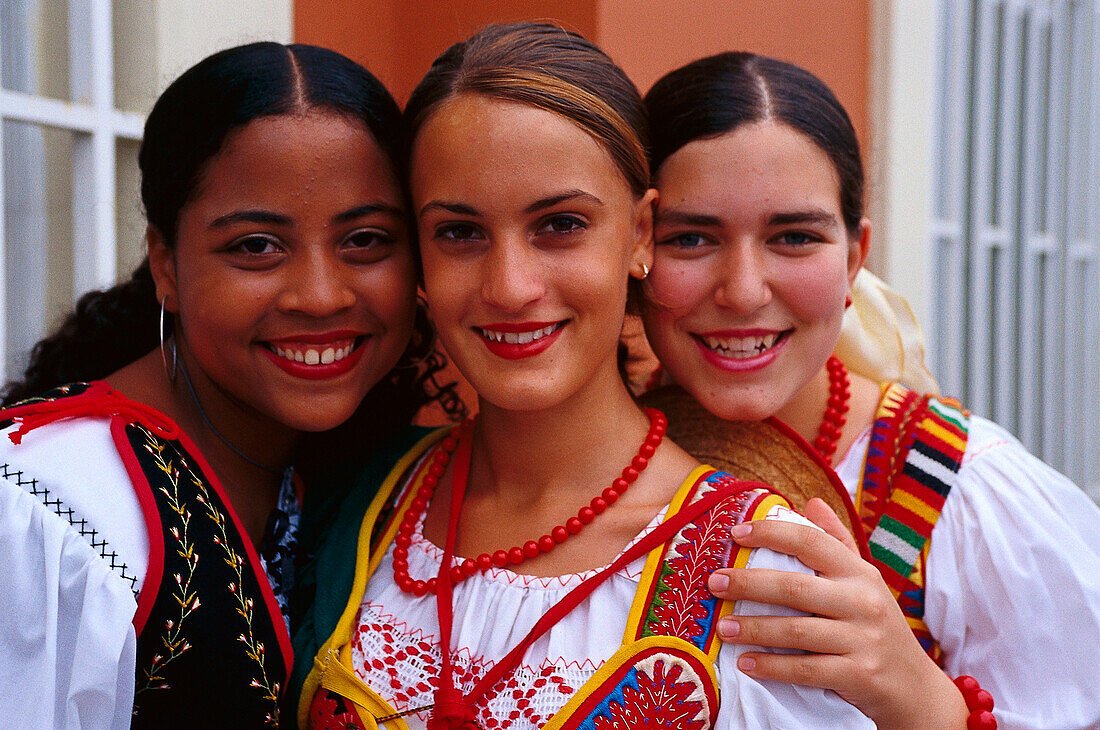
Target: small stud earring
645,270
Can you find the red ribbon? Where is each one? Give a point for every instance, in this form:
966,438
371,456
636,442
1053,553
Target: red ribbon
98,400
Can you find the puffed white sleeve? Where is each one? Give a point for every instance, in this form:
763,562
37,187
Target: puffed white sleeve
768,705
1013,585
67,642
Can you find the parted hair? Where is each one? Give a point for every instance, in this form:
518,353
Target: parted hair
549,68
718,94
187,127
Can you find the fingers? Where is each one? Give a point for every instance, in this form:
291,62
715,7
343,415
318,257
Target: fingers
811,670
800,591
822,515
817,550
807,633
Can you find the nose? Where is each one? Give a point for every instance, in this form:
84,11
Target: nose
317,285
743,286
512,275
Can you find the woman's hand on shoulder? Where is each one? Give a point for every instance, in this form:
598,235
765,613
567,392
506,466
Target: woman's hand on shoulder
857,641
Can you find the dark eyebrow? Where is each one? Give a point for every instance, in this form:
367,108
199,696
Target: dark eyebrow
365,210
678,217
250,216
814,216
267,217
456,208
551,201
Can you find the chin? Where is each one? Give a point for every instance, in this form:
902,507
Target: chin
730,407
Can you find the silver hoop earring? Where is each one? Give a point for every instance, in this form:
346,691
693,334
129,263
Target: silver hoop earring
164,355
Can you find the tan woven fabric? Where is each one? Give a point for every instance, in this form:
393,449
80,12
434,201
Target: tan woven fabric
752,450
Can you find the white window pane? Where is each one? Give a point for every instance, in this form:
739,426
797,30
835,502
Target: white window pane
134,47
38,234
34,36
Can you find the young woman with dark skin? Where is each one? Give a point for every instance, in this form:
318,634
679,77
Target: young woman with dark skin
530,190
760,234
148,519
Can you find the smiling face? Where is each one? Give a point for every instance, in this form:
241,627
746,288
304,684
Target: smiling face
752,266
528,233
292,275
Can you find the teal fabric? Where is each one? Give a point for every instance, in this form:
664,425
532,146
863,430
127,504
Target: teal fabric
331,518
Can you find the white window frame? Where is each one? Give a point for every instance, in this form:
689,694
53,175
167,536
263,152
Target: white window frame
1010,302
96,126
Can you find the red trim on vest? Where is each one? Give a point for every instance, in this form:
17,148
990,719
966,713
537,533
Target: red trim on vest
154,573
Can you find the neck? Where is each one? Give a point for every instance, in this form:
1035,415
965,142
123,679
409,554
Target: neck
522,456
803,412
252,490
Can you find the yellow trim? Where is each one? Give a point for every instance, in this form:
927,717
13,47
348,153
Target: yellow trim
915,505
342,634
654,559
949,437
623,656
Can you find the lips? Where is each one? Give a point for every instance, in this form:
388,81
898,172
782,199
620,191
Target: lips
316,356
741,350
518,340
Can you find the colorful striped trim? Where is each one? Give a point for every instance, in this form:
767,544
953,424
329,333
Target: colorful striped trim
913,460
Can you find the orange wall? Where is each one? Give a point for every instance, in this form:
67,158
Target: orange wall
398,39
648,38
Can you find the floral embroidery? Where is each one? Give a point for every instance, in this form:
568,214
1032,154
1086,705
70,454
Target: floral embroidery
253,647
330,711
681,604
407,674
660,700
173,643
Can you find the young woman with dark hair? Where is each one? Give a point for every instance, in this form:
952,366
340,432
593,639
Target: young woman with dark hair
533,207
148,504
760,234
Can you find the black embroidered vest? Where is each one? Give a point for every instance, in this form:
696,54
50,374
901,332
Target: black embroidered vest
212,647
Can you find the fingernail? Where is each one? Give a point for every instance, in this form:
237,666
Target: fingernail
728,628
746,664
741,530
718,582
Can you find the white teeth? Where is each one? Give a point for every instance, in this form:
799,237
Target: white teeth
518,338
741,347
311,356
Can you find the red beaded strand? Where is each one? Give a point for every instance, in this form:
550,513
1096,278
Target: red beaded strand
979,702
658,424
836,409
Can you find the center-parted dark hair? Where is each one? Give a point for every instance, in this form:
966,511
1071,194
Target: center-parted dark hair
716,95
187,127
549,68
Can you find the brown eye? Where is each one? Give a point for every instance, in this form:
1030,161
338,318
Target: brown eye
457,232
562,224
255,245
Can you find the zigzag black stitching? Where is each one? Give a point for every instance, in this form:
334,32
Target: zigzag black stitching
79,523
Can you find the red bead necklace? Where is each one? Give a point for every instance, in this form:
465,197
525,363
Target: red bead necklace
836,410
658,424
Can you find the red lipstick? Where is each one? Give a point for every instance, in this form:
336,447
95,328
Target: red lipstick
519,350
